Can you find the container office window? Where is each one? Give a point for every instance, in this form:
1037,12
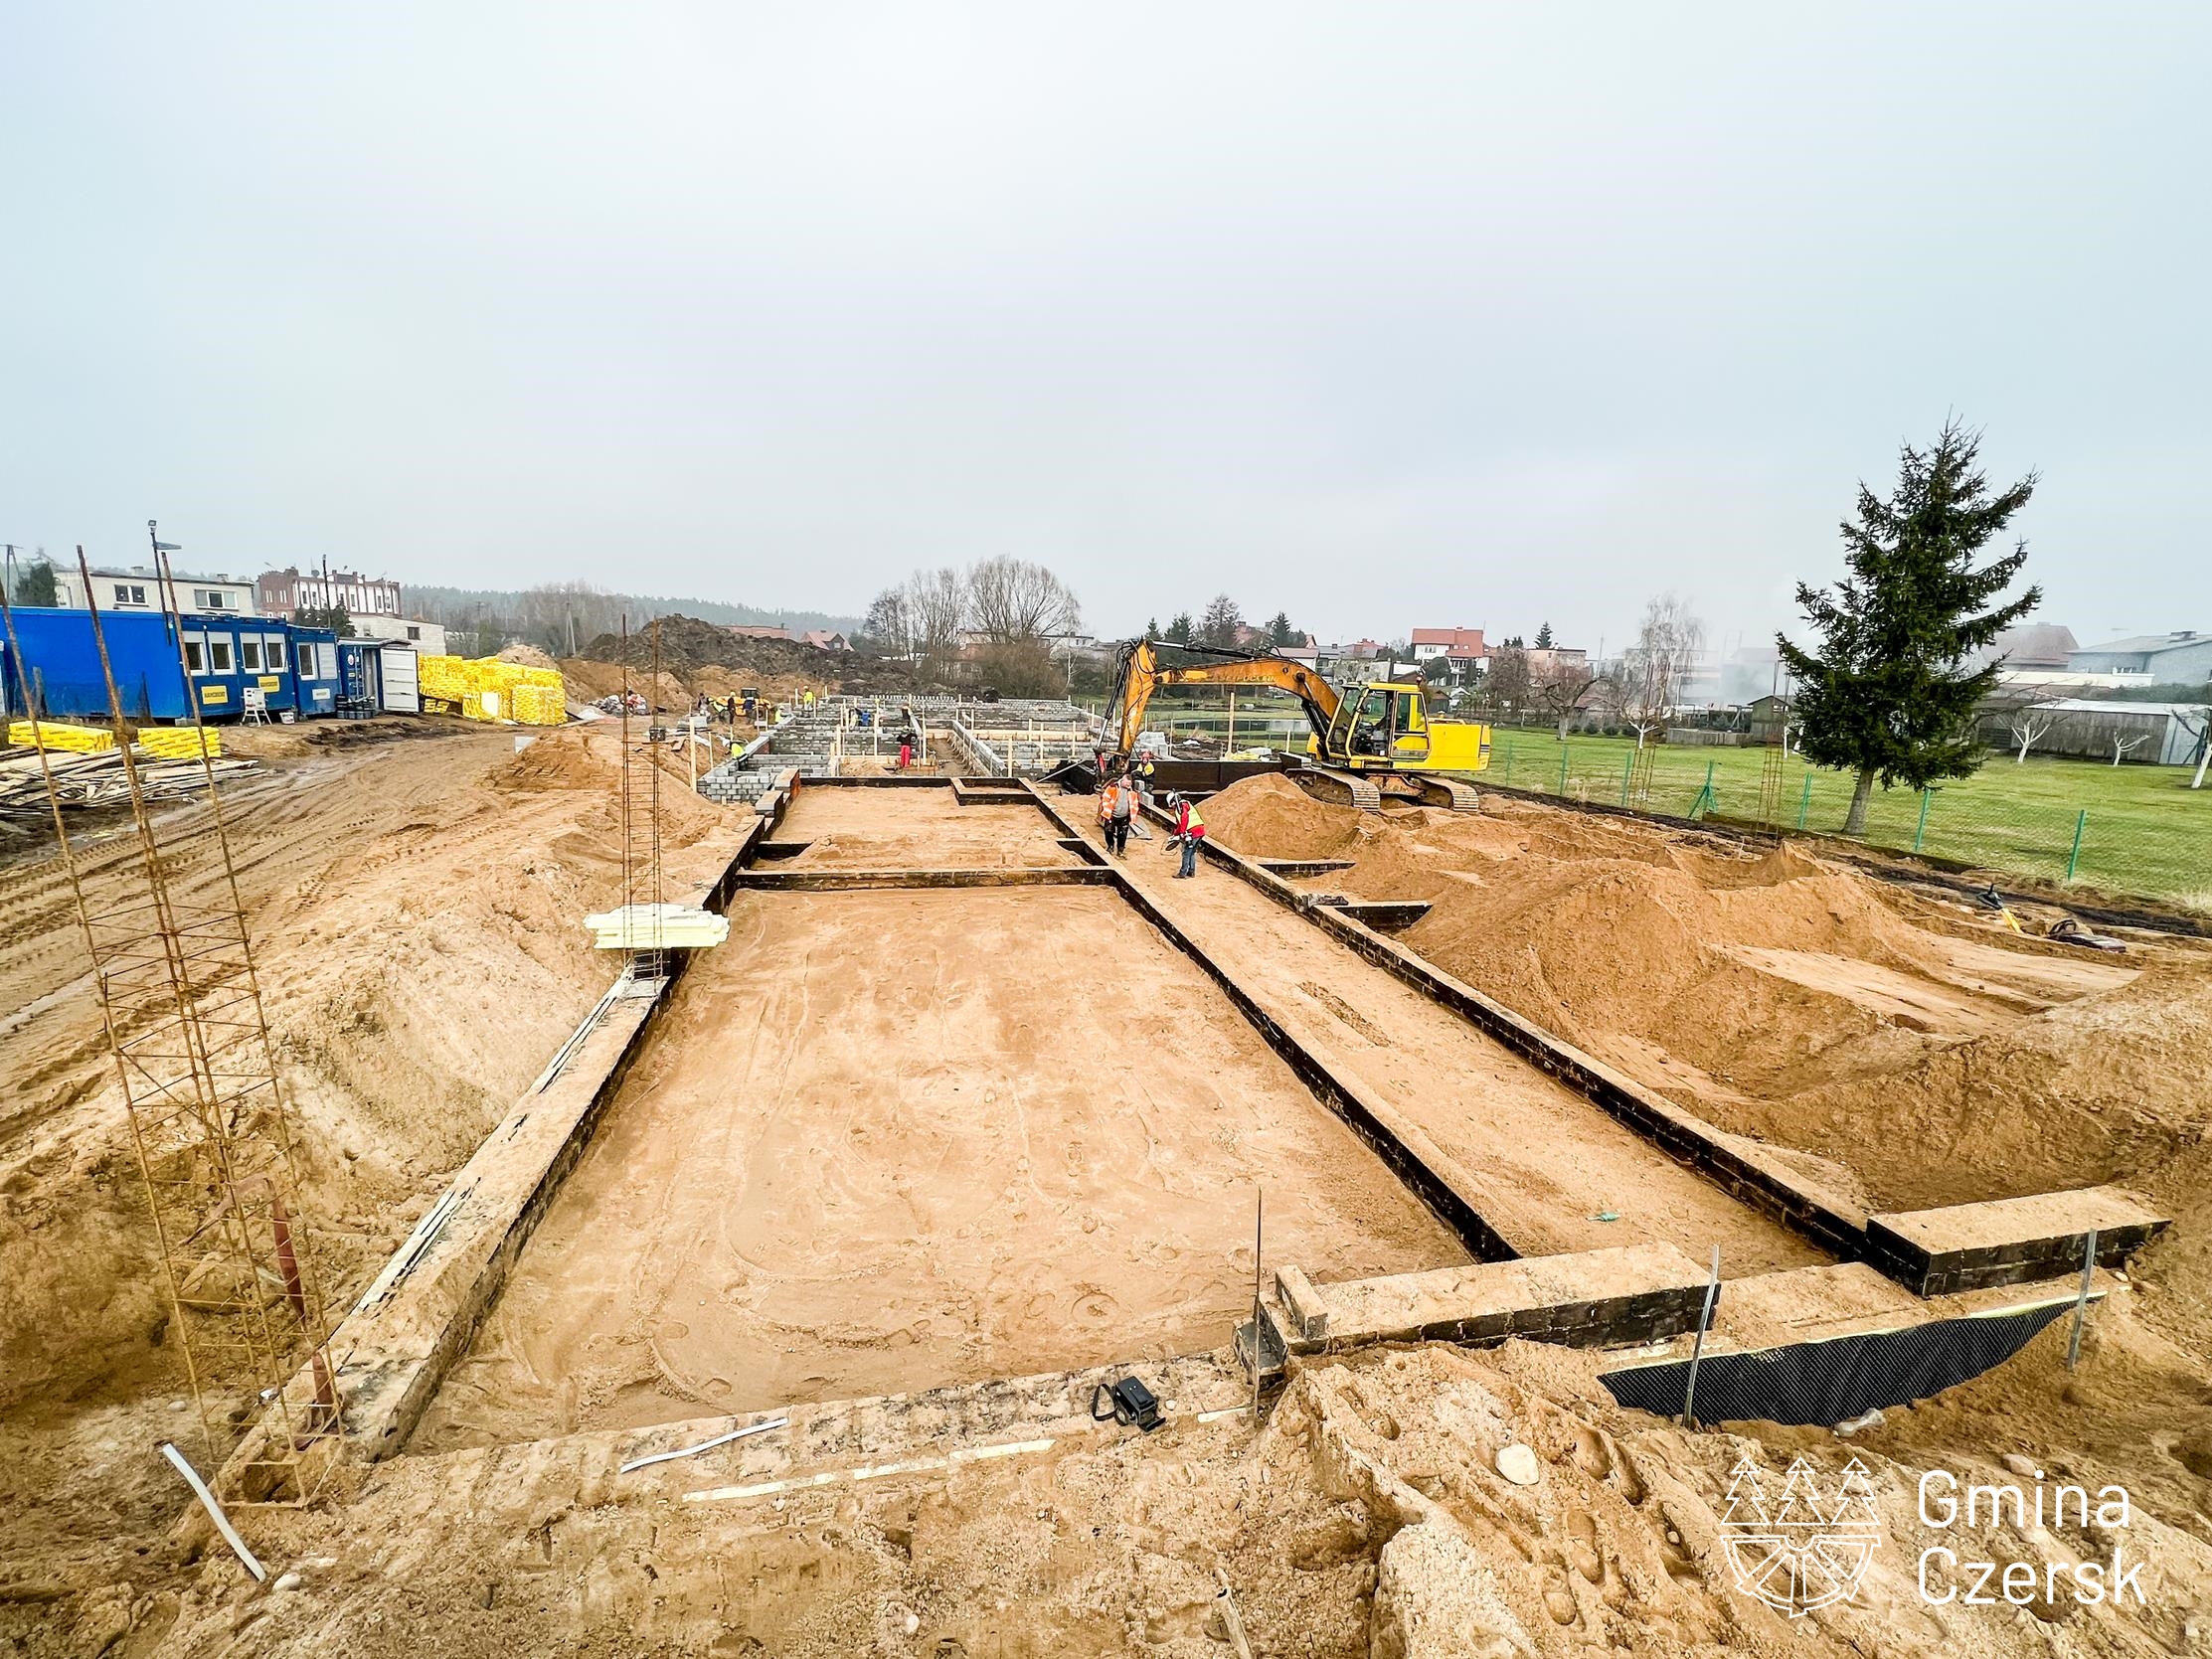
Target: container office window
130,592
272,652
219,656
195,653
249,655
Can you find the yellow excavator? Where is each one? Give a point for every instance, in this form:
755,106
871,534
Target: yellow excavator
1368,740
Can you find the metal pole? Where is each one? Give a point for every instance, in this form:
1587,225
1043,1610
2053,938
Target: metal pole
1805,801
2074,859
1259,1217
1920,832
2081,1300
1628,773
1697,1349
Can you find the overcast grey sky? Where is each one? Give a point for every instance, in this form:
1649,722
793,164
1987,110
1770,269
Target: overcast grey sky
1390,315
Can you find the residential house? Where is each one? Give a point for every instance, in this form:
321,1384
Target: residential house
138,587
426,638
2034,645
1464,651
2182,657
287,592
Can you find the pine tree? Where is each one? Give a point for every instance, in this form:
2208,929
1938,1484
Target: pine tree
1544,637
1222,622
1889,694
1152,628
1280,631
1179,631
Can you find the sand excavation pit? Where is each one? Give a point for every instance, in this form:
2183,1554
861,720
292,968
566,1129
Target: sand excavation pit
912,828
886,1140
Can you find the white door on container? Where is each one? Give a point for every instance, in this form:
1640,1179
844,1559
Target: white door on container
402,688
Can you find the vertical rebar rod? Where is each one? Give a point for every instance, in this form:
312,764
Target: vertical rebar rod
1259,1222
1697,1347
2081,1299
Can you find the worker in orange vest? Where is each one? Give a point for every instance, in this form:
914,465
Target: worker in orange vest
1115,803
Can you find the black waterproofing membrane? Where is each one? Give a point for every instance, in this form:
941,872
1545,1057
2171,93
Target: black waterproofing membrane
1839,1379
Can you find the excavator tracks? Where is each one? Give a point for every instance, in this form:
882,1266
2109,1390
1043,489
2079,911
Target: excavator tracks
1445,791
1366,791
1362,791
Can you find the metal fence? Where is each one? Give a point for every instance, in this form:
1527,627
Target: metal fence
2125,830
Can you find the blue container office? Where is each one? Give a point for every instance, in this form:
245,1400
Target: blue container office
61,671
315,675
236,661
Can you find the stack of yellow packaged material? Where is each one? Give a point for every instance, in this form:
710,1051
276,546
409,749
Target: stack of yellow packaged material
442,679
180,743
486,688
54,733
541,704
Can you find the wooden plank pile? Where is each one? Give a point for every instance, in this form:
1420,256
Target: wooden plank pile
97,778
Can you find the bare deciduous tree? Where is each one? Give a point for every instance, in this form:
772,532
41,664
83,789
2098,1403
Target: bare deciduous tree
1014,601
1561,690
889,625
2027,725
2124,745
1656,667
1507,684
936,601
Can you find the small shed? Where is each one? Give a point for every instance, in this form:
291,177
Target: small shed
1768,717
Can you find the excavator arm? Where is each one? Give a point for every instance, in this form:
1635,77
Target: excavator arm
1138,674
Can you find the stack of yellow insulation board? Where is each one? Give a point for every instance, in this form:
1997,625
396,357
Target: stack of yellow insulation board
180,743
541,704
56,735
486,688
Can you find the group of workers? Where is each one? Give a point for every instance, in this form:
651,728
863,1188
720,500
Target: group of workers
755,710
1121,795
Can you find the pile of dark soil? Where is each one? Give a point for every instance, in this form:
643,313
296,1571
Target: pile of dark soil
687,645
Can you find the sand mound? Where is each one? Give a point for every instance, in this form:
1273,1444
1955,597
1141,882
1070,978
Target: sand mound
1782,995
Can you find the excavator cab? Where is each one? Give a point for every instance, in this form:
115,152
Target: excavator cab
1385,726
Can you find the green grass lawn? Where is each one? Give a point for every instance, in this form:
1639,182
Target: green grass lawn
2147,832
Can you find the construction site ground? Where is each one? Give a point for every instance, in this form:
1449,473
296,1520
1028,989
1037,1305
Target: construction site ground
861,1157
865,1144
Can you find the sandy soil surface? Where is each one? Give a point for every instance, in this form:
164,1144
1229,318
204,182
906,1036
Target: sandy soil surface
1542,1166
915,829
867,1152
416,909
1366,1518
1934,1053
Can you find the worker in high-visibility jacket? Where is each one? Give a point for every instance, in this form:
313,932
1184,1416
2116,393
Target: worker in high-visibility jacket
1190,830
1116,803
